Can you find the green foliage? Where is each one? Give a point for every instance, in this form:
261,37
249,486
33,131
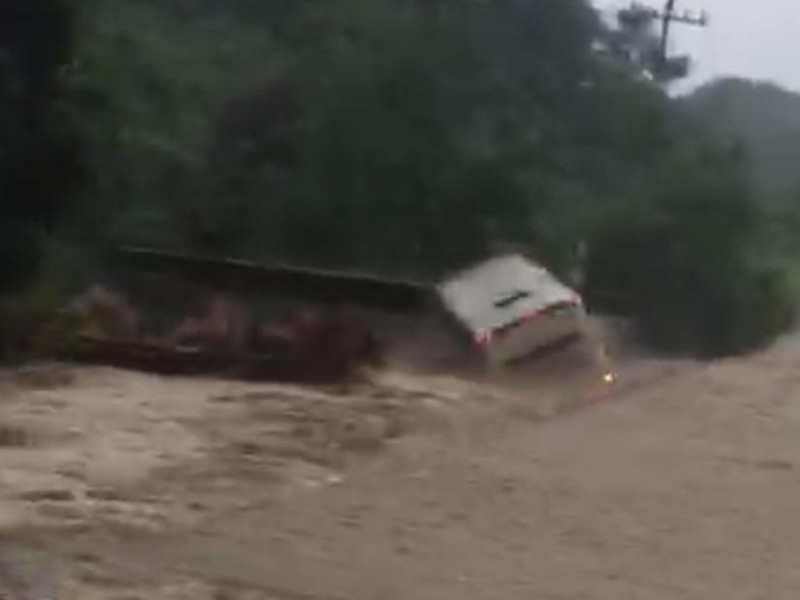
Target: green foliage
398,136
149,77
761,117
682,259
26,315
39,161
413,136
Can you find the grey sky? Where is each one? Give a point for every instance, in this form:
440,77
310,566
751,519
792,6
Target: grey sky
746,38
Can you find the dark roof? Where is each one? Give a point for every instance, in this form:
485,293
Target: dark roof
317,284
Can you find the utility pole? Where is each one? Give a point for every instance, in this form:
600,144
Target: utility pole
640,18
669,16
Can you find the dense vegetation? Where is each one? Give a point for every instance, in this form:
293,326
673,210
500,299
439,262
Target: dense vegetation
409,137
39,168
765,118
763,121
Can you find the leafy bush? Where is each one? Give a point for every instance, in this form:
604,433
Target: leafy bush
680,253
728,314
30,319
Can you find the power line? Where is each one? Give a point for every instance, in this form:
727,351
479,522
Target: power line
669,16
639,19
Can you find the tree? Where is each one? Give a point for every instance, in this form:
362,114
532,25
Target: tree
39,158
415,135
682,255
411,137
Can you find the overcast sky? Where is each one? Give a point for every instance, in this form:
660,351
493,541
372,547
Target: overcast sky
746,38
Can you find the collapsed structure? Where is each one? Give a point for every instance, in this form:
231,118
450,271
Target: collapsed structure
293,324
